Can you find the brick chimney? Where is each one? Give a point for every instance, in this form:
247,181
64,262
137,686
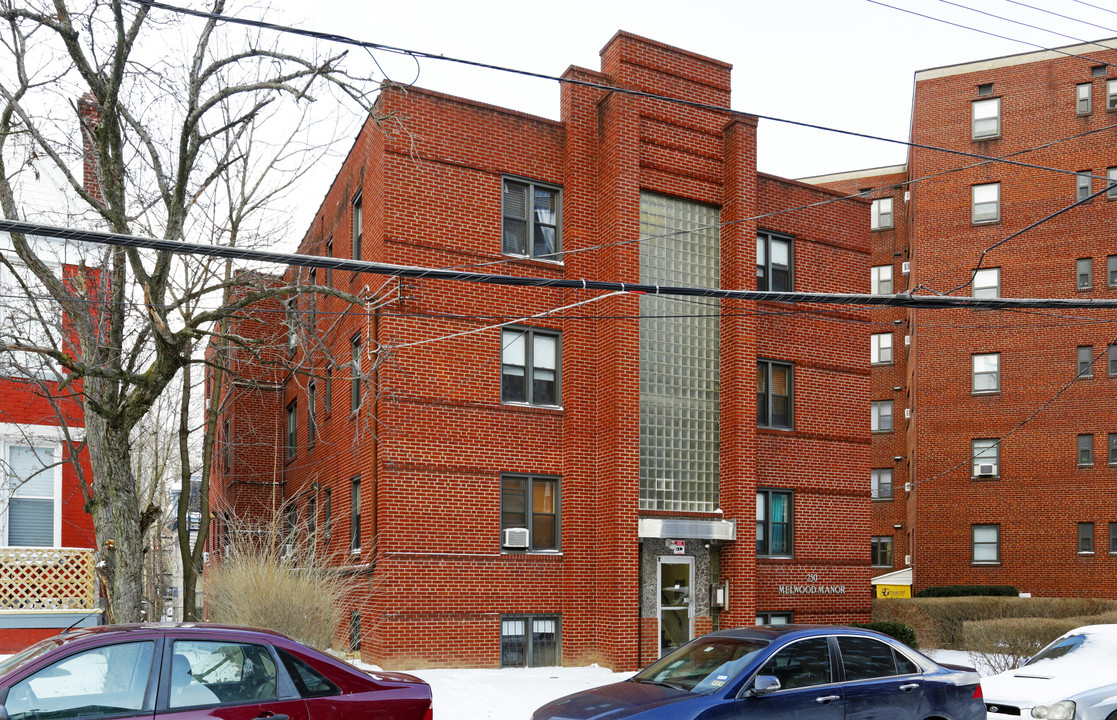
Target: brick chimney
89,117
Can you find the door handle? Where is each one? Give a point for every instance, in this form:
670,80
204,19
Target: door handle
269,715
826,699
909,687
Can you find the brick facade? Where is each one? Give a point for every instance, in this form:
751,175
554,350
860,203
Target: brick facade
432,442
1040,492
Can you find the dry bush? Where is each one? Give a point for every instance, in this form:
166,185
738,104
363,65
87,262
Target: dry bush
1006,644
949,615
277,581
911,614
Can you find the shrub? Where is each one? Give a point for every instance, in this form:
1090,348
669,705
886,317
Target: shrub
897,630
277,582
912,614
967,591
1006,644
949,615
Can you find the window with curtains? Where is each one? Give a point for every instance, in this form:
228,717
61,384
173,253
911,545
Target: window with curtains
774,398
774,523
31,493
529,640
529,366
531,219
532,502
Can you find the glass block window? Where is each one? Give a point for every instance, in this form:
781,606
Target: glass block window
679,372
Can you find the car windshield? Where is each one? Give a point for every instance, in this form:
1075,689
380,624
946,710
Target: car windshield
28,655
704,666
1059,648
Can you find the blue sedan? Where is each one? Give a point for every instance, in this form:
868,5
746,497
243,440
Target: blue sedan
796,672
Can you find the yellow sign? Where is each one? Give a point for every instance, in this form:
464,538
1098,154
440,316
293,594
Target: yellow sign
893,591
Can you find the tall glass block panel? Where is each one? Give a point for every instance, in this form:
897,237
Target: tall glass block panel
679,357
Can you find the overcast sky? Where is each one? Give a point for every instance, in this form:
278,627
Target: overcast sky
841,63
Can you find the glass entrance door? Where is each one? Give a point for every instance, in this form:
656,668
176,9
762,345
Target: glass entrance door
676,602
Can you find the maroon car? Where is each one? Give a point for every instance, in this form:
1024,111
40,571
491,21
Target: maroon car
197,671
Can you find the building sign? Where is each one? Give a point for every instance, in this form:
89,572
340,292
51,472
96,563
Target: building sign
676,546
893,591
811,587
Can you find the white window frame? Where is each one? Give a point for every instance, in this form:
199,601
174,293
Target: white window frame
1084,98
876,484
881,280
37,437
983,451
1111,183
995,543
881,214
986,124
994,373
1084,274
987,283
1083,186
881,421
985,203
1084,451
1111,94
877,352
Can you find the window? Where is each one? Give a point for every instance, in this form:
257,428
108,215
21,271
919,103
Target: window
308,681
1111,183
311,516
773,523
986,119
987,283
802,664
882,416
241,672
358,226
290,311
867,659
290,526
881,280
328,389
1084,273
768,618
292,430
774,395
1111,94
355,373
1086,449
79,686
355,514
881,479
986,203
31,483
773,262
1084,98
531,220
529,640
986,454
880,217
311,409
354,631
1086,537
882,551
1085,361
529,366
330,253
1112,440
986,544
1083,184
986,373
327,514
227,443
312,302
1111,270
531,502
881,349
1113,537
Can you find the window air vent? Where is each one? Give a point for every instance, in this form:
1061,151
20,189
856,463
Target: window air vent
905,267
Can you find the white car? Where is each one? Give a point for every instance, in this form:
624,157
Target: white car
1073,678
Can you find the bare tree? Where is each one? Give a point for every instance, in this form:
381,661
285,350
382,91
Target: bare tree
177,142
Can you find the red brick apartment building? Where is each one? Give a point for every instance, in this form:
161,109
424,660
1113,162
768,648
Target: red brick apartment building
1034,510
46,537
543,476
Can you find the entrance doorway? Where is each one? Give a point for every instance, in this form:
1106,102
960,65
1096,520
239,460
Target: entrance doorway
676,602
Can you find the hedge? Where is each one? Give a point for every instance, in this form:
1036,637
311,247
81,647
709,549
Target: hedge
897,630
967,591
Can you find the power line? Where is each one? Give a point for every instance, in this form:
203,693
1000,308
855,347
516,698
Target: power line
1060,15
1027,25
364,266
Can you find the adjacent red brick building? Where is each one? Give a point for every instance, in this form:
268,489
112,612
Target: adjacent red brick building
537,476
1004,442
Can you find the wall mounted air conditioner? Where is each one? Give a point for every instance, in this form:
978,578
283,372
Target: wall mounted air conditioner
907,413
205,558
986,469
907,559
907,340
907,196
516,537
905,267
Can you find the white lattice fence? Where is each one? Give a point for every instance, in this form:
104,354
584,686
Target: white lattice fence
47,578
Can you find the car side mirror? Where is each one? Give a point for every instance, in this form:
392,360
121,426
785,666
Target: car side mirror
762,685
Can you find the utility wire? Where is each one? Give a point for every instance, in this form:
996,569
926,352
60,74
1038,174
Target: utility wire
364,266
1027,25
1060,15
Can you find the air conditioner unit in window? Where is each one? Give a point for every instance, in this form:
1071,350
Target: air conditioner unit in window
986,469
905,267
516,537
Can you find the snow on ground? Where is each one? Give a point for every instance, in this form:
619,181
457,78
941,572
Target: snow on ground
960,657
508,694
